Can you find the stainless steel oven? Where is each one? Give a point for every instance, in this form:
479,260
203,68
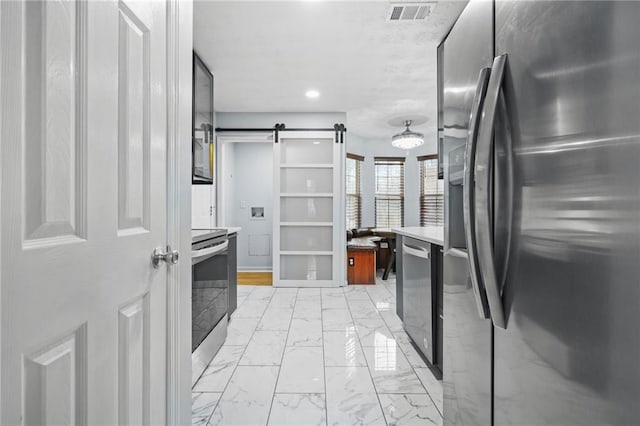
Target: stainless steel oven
209,296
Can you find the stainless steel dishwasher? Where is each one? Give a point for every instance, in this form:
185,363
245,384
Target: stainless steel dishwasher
417,294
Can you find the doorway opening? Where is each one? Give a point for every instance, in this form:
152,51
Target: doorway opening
246,201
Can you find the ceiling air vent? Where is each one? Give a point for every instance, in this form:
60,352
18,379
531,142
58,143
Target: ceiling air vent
410,11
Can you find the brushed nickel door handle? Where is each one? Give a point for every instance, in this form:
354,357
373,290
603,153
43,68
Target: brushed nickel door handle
167,255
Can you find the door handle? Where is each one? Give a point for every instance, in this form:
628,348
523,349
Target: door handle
167,255
483,174
467,193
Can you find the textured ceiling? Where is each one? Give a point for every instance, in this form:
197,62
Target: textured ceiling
266,54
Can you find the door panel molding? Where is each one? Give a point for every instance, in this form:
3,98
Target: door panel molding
133,362
133,116
55,130
54,382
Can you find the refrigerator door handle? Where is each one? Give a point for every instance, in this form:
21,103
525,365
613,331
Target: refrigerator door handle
467,193
482,189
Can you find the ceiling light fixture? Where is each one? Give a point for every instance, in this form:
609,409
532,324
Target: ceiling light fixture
407,139
312,94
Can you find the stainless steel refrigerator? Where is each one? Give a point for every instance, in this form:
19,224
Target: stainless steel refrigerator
541,117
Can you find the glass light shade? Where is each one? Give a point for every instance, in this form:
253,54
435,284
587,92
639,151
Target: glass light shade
407,142
407,139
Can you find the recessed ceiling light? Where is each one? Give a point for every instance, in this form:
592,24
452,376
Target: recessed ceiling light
312,94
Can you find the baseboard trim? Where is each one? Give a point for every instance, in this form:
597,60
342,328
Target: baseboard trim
254,269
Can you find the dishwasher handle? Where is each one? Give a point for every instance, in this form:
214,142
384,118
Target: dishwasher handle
200,255
415,251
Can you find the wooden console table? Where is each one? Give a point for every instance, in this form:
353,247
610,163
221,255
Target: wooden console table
361,261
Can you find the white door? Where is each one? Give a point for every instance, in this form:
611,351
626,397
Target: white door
83,181
309,231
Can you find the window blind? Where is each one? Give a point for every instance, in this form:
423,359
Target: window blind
389,196
431,192
354,197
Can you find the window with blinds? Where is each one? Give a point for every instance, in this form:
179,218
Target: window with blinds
431,192
354,197
389,196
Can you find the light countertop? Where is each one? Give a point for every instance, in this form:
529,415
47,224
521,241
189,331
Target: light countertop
431,234
232,229
203,234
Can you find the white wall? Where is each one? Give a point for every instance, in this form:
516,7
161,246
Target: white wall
227,180
203,197
370,148
202,203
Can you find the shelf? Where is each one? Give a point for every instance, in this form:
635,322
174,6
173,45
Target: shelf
305,253
306,223
307,194
305,166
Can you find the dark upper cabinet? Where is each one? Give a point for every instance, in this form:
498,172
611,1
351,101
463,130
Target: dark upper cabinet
203,146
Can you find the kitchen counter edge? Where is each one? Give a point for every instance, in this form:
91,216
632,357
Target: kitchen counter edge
198,235
232,229
430,234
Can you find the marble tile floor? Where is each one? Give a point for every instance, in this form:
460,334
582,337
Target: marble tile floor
317,357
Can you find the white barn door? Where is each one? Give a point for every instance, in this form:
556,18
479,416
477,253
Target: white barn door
309,231
83,205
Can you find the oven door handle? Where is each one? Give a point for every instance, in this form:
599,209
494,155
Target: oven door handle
200,255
